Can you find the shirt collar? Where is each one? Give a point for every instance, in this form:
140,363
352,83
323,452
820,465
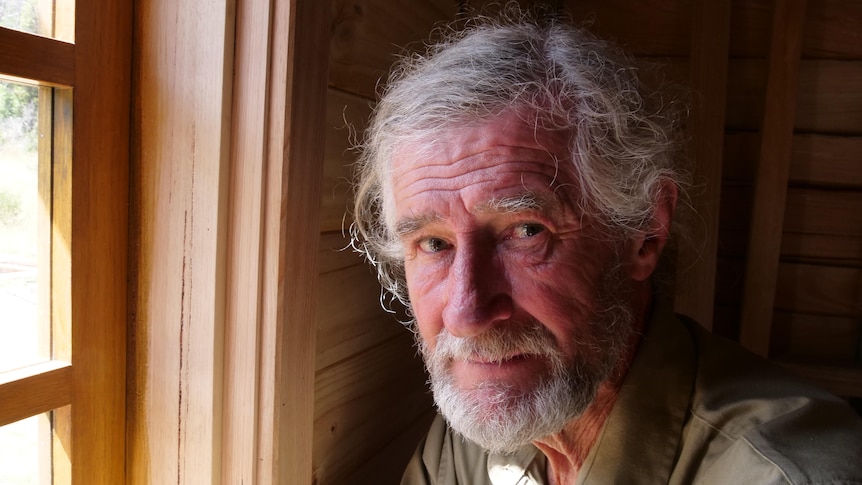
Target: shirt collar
640,441
524,467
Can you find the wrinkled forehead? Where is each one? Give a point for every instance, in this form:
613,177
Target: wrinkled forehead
478,145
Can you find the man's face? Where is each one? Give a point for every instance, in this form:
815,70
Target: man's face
513,289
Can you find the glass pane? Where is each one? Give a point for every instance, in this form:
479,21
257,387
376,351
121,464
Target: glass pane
20,15
24,336
25,451
49,18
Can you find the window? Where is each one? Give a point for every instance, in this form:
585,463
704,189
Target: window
64,104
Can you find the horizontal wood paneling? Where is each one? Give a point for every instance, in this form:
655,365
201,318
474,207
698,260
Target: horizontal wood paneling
843,381
828,96
815,338
820,226
397,451
361,405
820,289
643,28
809,211
799,337
803,288
350,317
815,159
833,29
367,35
346,117
808,248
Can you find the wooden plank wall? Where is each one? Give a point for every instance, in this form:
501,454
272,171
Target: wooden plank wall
371,406
371,402
818,299
817,313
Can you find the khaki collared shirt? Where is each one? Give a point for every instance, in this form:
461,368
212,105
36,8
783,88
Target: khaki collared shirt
693,409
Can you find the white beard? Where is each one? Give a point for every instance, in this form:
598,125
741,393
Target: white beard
501,417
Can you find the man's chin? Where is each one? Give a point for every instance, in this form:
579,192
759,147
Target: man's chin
501,418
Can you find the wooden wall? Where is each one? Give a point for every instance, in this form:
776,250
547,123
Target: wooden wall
371,405
371,401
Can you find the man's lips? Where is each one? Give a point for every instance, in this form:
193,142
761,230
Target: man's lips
482,360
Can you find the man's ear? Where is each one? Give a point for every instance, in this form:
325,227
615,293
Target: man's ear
645,249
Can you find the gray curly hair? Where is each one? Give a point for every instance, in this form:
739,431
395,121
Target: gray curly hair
622,136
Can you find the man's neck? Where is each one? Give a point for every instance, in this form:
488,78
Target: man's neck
567,450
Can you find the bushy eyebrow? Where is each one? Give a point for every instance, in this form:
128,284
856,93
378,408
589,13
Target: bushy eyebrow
523,202
409,225
527,201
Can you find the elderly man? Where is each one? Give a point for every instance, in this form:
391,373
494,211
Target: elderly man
516,191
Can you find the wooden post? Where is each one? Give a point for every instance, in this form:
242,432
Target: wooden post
710,39
772,174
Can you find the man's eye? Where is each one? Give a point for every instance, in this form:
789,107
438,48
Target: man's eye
433,245
528,229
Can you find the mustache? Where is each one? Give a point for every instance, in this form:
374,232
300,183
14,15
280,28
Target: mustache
495,345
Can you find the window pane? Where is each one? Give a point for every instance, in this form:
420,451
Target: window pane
19,15
24,335
25,451
50,18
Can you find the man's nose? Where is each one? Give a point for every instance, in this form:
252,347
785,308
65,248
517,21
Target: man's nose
478,292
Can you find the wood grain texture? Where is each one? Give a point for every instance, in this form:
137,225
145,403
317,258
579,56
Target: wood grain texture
815,338
182,89
815,159
810,211
61,268
245,244
653,28
297,133
34,390
833,29
814,289
99,238
828,99
816,317
819,289
821,227
37,58
772,172
367,35
842,381
695,286
358,322
45,147
361,404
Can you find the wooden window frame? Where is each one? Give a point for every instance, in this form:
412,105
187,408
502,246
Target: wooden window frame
226,180
91,81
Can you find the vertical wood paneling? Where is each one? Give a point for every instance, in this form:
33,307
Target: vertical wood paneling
244,246
695,283
772,174
182,78
293,210
99,239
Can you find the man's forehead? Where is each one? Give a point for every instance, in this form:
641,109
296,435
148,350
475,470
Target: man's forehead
526,201
458,140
